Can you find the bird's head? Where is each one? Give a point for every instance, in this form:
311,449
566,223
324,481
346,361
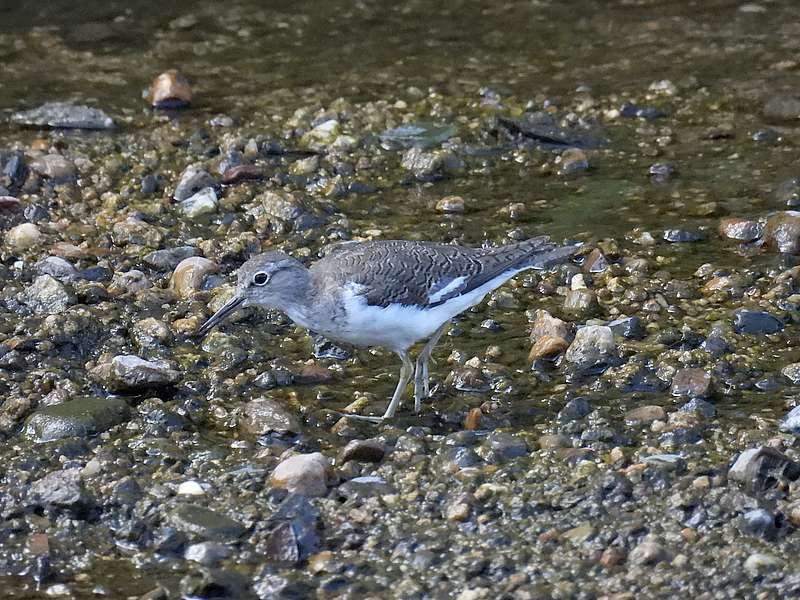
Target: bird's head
269,280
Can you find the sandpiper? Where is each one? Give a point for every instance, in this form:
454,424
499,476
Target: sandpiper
385,293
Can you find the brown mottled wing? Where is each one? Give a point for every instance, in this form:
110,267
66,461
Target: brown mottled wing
409,273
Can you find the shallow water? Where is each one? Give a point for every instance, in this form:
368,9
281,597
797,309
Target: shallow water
259,62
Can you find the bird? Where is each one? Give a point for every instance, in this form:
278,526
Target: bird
388,293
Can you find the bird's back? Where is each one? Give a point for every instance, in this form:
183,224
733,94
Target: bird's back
427,274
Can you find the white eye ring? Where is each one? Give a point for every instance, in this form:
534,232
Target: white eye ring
261,278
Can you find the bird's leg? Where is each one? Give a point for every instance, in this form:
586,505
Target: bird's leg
421,388
405,376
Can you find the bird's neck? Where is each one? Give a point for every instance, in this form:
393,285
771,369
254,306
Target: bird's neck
298,302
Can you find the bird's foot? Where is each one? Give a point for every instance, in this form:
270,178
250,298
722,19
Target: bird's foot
375,420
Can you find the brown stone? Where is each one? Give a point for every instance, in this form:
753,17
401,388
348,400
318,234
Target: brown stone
312,375
782,231
611,557
241,173
547,347
645,414
546,324
189,275
473,419
595,262
451,204
170,89
692,383
363,451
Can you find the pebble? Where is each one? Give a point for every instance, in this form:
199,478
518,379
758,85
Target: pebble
61,489
241,173
62,115
304,474
628,327
205,524
645,415
782,231
202,203
760,563
451,204
56,168
57,268
547,347
595,262
756,322
193,180
758,469
170,89
46,295
23,236
593,345
207,553
191,488
431,166
792,372
127,373
791,422
581,302
322,135
682,236
648,552
741,230
572,160
264,415
782,107
169,258
544,324
190,274
694,383
79,418
362,451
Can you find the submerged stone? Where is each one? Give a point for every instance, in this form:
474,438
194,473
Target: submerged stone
170,89
47,296
62,115
756,322
205,524
77,418
127,373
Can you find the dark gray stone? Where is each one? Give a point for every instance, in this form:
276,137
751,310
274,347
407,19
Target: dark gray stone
77,418
62,115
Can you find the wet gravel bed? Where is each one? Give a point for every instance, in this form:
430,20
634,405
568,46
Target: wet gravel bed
620,426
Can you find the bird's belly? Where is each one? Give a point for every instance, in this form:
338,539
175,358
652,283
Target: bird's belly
396,327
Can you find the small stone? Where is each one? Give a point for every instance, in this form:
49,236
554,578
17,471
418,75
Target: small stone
595,262
205,524
239,173
170,89
544,324
80,418
645,415
788,192
207,553
682,236
741,230
433,165
792,372
193,180
47,296
473,419
169,258
759,522
62,489
648,552
313,375
23,236
129,281
782,231
202,203
572,160
791,422
362,451
451,204
57,268
756,322
782,107
151,332
759,563
582,302
762,468
699,407
458,511
56,168
628,327
551,441
593,346
304,474
661,172
575,409
191,488
612,557
694,383
190,274
62,115
264,415
322,135
127,373
547,347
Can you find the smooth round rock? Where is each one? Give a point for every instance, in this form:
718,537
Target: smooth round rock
190,274
170,89
77,418
304,474
23,236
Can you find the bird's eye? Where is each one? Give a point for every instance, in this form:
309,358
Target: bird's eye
260,278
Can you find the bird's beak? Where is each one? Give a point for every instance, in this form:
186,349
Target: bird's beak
229,307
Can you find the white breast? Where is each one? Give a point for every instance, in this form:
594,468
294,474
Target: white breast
399,327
